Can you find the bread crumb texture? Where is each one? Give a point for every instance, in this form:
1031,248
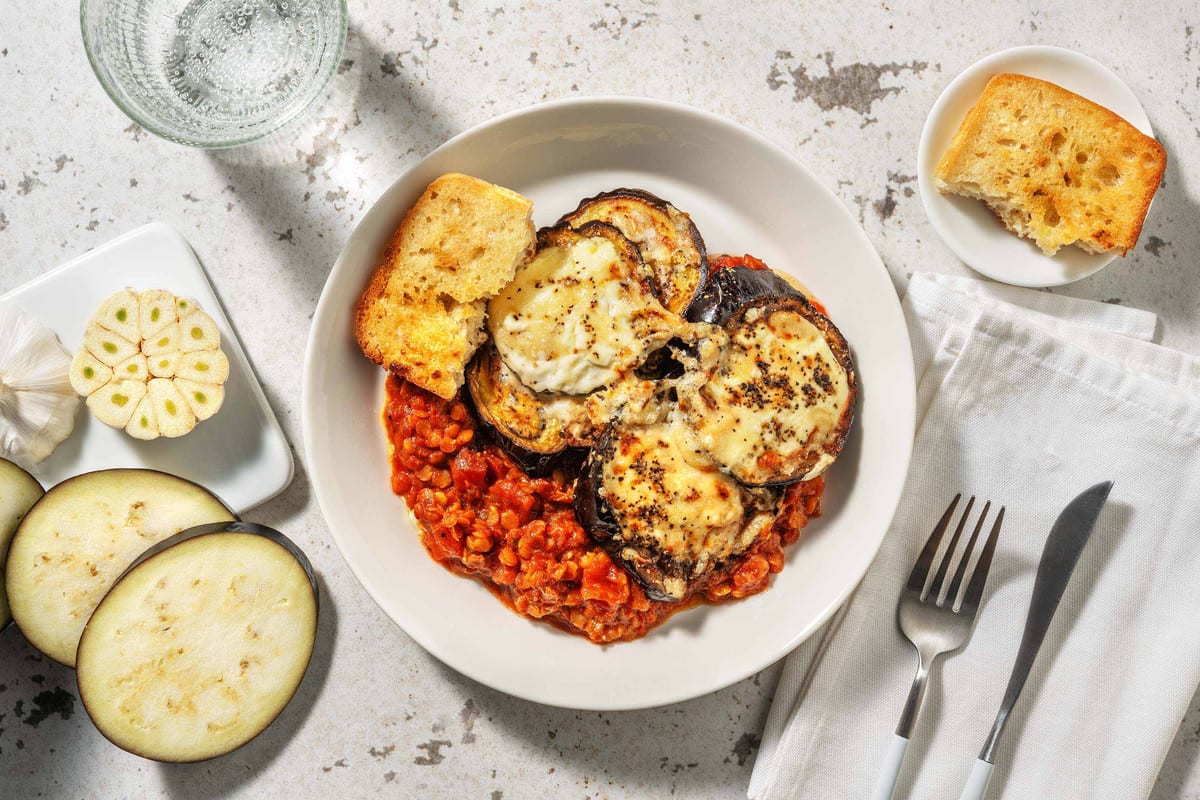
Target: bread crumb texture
1053,166
422,313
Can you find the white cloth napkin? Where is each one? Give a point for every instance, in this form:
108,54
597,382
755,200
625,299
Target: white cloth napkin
1024,398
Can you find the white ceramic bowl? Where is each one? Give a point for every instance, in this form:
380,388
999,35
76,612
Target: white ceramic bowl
966,225
745,195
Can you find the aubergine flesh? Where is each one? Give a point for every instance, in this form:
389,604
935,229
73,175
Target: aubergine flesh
538,422
667,238
779,404
581,314
664,511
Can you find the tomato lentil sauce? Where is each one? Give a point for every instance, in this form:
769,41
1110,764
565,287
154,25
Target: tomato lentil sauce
481,515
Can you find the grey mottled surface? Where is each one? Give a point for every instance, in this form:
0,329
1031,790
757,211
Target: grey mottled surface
845,86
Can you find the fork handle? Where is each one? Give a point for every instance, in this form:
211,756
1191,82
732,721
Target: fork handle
886,784
977,783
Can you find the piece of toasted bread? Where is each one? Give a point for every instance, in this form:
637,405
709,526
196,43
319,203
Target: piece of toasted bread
1053,166
422,313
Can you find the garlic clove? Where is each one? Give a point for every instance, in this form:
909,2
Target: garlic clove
119,314
204,366
142,423
88,373
204,399
156,310
165,341
114,403
37,402
108,347
163,365
199,332
132,369
175,417
183,306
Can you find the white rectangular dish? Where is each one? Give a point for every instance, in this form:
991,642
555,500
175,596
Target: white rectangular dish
240,454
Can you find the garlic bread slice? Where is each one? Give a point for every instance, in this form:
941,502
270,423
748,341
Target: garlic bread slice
82,535
88,373
156,310
119,314
110,348
114,402
201,644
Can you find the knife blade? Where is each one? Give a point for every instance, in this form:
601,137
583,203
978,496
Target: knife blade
1066,541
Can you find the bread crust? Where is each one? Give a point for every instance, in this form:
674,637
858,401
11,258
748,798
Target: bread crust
1054,166
421,314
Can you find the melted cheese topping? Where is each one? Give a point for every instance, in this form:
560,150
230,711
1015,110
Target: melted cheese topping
776,402
575,319
669,498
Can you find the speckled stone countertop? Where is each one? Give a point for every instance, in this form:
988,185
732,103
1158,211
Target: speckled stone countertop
843,85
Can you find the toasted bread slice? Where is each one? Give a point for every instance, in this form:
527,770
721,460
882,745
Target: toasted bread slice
422,313
1053,166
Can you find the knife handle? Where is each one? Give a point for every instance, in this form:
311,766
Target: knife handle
977,783
886,784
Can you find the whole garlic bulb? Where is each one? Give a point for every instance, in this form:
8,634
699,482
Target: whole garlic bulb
37,403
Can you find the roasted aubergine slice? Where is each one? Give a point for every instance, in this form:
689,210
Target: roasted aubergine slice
730,288
581,313
778,405
666,237
536,422
666,513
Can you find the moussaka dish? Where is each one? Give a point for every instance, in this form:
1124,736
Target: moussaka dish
624,429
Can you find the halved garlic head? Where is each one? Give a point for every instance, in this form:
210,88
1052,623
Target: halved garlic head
151,363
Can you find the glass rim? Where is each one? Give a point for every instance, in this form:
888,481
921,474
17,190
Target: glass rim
139,119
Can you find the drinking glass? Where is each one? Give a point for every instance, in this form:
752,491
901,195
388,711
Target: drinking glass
213,73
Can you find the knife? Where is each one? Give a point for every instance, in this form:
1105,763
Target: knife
1066,541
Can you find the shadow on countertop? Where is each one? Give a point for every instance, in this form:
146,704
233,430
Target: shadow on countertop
304,186
668,751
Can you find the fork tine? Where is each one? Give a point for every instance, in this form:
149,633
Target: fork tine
916,579
939,580
979,577
956,584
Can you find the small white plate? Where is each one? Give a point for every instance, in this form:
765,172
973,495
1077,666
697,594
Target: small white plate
966,225
240,454
746,196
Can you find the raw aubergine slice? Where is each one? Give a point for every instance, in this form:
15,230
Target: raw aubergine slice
779,404
665,512
74,543
201,643
666,237
18,492
581,313
537,422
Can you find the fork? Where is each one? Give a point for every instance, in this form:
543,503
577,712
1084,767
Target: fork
935,619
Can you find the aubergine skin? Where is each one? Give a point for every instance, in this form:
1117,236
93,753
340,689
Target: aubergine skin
799,466
679,274
729,289
651,569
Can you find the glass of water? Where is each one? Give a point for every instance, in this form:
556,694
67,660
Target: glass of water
213,73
